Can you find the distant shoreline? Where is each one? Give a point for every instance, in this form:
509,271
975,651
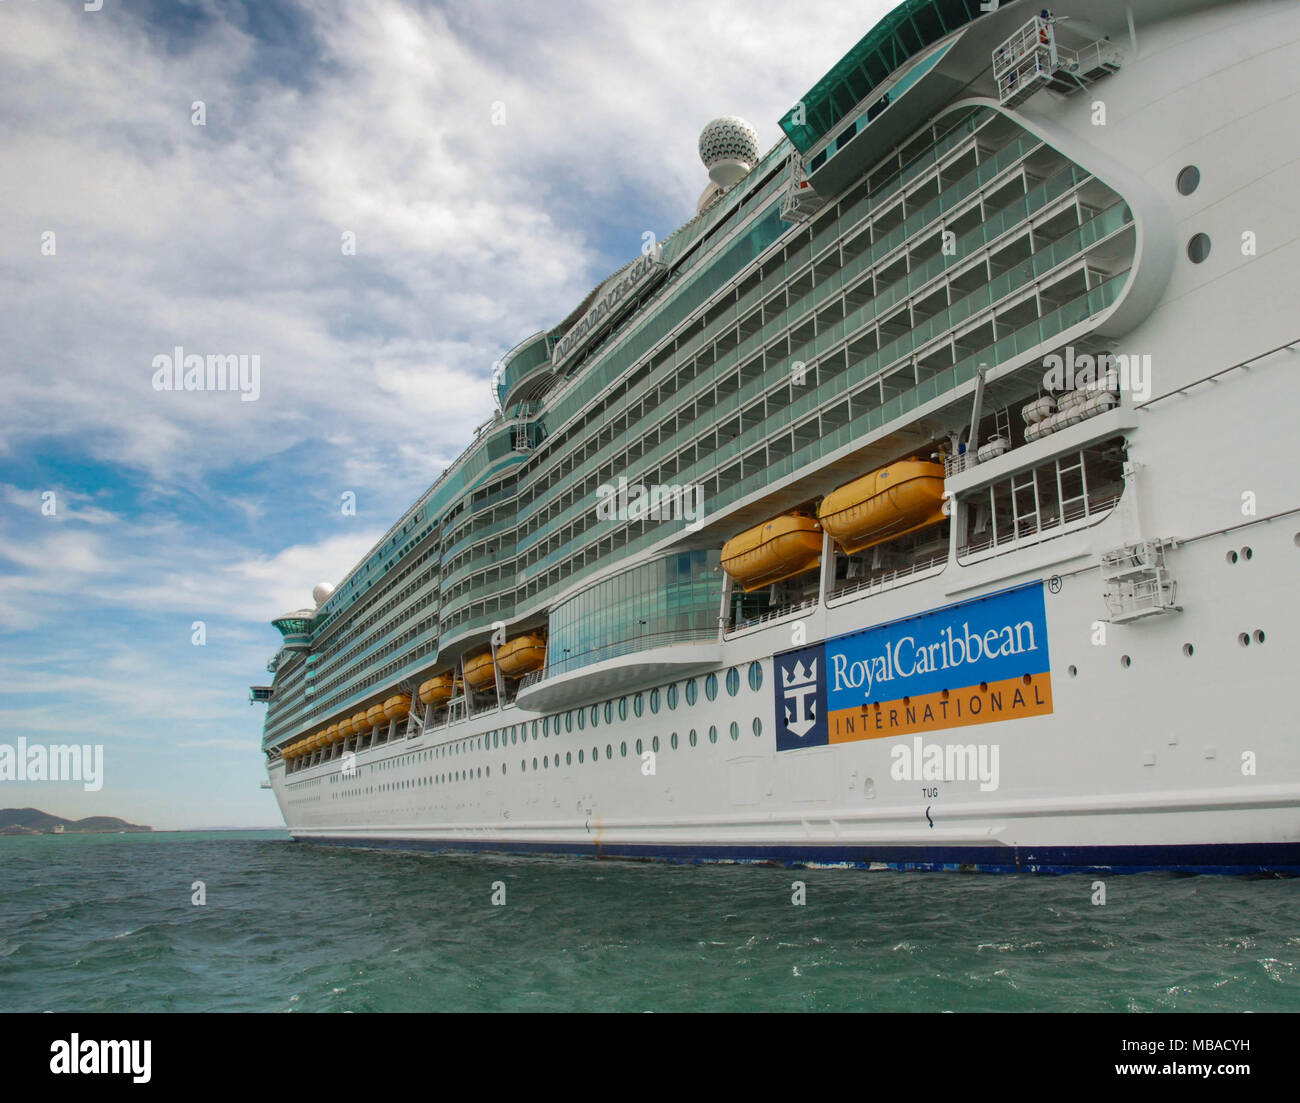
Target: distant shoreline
32,821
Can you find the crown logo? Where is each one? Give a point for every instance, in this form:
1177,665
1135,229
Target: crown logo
798,676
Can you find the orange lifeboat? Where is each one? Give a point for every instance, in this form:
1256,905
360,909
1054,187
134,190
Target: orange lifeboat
437,690
397,706
480,672
893,501
522,654
375,716
359,723
771,552
332,734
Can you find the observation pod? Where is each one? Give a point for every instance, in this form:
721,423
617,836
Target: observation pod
890,502
397,706
771,552
522,654
480,673
375,716
438,689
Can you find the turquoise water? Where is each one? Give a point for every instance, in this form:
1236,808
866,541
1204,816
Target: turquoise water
106,923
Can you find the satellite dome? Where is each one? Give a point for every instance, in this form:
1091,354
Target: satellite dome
321,593
729,149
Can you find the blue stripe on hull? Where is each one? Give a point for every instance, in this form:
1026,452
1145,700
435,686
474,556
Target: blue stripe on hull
1226,858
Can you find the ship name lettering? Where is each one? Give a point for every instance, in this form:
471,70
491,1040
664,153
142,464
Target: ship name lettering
907,658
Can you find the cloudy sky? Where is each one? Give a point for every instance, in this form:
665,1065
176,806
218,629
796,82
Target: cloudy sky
491,160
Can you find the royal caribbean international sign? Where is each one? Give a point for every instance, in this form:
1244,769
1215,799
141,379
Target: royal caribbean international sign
637,277
977,662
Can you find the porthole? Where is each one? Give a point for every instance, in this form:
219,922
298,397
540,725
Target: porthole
568,758
1259,636
579,758
622,708
735,731
512,735
1243,638
1189,179
672,696
654,744
755,676
654,700
582,719
638,704
609,712
1198,249
1247,553
758,726
692,691
546,726
622,749
534,729
713,733
692,737
1188,650
595,754
546,762
595,716
523,765
1231,557
711,687
639,748
733,682
568,721
1125,661
672,741
494,740
609,751
1073,671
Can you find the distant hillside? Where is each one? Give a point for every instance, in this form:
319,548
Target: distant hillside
32,821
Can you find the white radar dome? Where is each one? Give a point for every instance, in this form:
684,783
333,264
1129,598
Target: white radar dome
321,593
729,149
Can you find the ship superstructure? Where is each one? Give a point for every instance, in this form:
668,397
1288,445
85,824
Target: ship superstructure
921,501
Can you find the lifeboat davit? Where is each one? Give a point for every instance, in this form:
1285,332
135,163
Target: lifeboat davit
479,671
898,499
375,716
774,551
522,654
397,706
438,689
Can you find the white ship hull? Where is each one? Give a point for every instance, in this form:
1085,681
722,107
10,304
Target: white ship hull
1170,745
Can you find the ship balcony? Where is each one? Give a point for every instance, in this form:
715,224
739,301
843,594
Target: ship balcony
619,667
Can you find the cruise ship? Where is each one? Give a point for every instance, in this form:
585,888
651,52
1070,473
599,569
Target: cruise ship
920,503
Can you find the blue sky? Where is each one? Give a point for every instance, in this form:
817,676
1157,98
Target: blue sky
322,118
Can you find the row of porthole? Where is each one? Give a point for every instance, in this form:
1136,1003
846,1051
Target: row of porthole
1243,638
557,725
519,733
1245,553
639,747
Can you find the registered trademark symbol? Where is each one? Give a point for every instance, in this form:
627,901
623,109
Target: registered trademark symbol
1054,583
